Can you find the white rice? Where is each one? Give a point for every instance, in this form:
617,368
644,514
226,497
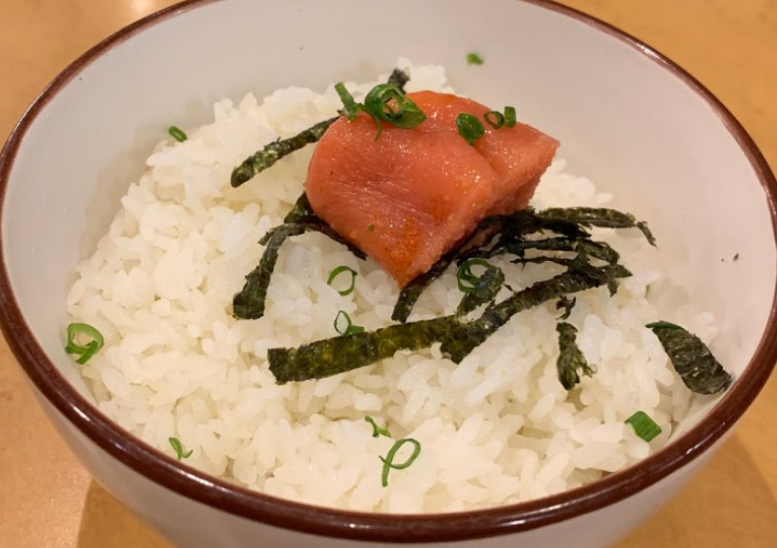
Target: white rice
496,429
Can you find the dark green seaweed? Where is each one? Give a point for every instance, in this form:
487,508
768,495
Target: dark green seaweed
473,334
571,362
302,211
567,304
249,303
598,216
328,357
265,158
399,78
412,291
276,150
510,232
692,359
485,291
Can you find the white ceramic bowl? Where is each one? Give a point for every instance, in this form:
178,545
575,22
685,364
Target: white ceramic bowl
627,117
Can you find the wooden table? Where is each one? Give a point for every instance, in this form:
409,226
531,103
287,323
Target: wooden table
47,499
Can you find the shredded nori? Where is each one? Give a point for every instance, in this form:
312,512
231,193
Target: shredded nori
265,158
399,78
485,290
571,362
276,150
249,303
598,216
495,316
329,357
692,359
501,234
302,211
567,304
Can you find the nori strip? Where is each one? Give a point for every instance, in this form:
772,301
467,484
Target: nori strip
410,293
399,78
495,316
692,359
510,231
276,150
598,216
571,362
273,152
302,211
328,357
248,304
567,304
580,264
485,290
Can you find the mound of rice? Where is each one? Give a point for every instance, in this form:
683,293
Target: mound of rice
496,429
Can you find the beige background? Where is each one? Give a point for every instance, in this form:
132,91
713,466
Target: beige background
48,500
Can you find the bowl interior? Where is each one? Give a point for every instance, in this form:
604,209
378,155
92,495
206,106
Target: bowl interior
624,120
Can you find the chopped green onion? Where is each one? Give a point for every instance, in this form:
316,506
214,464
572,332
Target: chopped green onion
464,274
336,272
510,118
370,228
84,351
350,106
667,325
349,327
377,431
377,104
178,448
499,119
177,134
647,290
474,59
470,127
645,427
380,103
388,462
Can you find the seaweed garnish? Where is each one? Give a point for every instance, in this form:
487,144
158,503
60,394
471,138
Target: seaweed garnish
484,291
329,357
567,304
600,217
571,362
399,78
302,211
266,158
248,304
692,359
502,234
474,333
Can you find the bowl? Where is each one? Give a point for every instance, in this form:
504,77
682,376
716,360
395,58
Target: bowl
626,116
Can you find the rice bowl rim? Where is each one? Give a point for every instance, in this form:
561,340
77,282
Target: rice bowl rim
396,528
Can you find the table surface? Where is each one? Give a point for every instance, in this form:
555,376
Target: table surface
48,500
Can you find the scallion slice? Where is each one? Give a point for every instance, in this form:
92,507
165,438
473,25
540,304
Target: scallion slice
645,427
510,119
495,119
178,448
465,279
84,351
388,462
349,327
377,431
350,106
177,134
336,272
474,59
470,127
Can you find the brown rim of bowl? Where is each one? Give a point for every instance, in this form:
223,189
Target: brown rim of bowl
309,519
